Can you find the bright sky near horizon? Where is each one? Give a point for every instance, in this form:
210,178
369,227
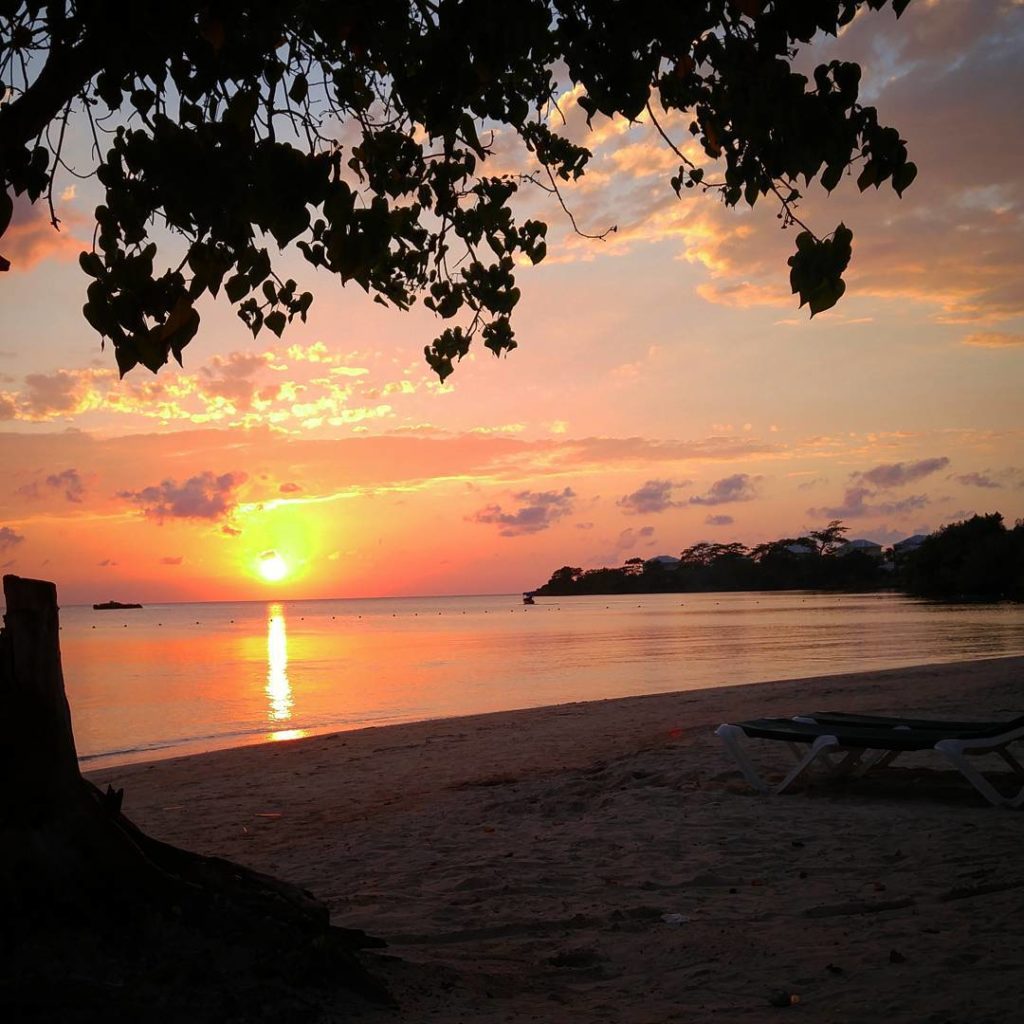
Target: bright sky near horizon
666,389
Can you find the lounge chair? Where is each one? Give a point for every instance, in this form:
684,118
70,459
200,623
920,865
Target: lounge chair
852,745
949,727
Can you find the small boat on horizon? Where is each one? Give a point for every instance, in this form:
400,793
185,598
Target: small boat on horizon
528,598
112,606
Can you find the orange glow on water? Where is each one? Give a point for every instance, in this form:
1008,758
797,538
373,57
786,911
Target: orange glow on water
202,676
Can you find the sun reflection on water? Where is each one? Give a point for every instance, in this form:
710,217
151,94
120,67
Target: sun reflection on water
288,734
278,689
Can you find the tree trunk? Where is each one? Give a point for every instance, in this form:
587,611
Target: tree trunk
81,885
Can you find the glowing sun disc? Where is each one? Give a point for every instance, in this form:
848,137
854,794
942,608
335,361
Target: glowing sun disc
273,567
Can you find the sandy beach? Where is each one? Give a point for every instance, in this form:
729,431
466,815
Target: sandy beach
606,861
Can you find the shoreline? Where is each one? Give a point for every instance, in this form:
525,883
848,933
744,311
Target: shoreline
201,746
605,861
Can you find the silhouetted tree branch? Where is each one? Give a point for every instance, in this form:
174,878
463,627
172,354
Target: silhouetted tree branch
359,132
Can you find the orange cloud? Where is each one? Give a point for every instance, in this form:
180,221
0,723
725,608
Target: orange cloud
52,395
953,244
372,497
231,377
31,238
995,339
237,389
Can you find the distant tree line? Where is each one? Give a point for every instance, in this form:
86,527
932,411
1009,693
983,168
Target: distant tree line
978,558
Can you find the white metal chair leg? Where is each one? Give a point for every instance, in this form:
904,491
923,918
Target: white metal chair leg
825,758
1015,765
868,759
844,767
850,764
732,736
954,752
886,758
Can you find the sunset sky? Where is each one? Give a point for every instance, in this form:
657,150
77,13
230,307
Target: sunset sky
666,389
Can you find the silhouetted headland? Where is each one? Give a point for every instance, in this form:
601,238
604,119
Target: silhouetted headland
978,559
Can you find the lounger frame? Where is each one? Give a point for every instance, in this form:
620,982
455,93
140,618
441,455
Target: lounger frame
837,754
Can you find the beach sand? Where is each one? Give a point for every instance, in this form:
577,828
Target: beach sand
606,862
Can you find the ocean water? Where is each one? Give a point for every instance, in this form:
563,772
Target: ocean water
181,678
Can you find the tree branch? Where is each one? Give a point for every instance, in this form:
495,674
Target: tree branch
64,75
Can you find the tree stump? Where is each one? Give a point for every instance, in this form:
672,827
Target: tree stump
131,921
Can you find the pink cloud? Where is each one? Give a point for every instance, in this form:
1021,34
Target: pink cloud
69,482
31,238
204,496
855,505
537,511
978,480
897,474
719,520
953,243
738,487
9,538
628,540
866,485
231,377
49,394
653,497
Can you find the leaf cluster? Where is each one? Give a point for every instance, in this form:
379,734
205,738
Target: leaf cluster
225,132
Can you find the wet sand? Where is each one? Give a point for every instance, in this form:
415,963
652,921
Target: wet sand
606,861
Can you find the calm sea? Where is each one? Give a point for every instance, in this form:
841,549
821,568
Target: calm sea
174,679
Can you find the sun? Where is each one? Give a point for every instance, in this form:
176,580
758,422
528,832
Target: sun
272,566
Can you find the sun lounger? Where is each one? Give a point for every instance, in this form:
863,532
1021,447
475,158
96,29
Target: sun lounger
842,748
949,727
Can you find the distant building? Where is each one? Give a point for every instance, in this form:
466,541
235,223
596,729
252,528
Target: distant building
865,547
801,550
663,561
908,544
